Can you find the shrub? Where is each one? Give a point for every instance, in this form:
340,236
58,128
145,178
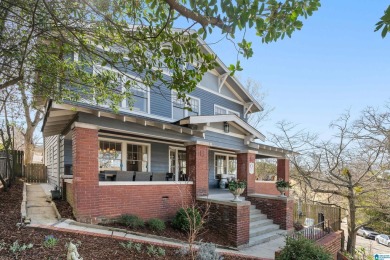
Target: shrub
16,247
182,219
156,224
128,245
50,241
207,251
303,249
131,221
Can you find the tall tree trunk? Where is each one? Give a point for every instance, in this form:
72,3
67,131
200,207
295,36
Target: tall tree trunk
29,144
351,227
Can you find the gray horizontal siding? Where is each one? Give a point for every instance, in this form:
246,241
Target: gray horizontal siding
213,183
52,154
225,141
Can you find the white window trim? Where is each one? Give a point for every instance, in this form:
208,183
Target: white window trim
185,110
124,151
227,110
227,156
123,103
176,149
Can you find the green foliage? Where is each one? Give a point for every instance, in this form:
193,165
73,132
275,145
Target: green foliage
50,241
150,50
3,245
384,23
128,245
15,248
282,184
186,219
137,247
303,249
236,184
131,221
156,224
360,254
151,250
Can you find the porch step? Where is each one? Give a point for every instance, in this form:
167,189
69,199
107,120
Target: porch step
260,223
258,231
262,229
266,237
257,216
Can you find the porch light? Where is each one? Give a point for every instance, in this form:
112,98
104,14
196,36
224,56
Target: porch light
226,127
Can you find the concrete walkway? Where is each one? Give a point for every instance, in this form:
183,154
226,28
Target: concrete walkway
39,207
43,215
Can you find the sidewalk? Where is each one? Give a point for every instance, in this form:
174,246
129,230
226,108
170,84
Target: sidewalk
44,216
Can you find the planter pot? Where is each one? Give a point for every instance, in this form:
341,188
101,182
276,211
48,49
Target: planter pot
282,191
55,194
237,193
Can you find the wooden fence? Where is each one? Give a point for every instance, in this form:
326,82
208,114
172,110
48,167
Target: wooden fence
4,169
35,173
312,214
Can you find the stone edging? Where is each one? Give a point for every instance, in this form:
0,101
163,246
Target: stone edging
23,206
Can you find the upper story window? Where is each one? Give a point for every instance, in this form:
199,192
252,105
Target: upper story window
218,110
140,98
180,109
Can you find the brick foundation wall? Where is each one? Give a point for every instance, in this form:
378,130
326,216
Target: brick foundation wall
332,243
266,187
69,193
231,220
144,201
279,209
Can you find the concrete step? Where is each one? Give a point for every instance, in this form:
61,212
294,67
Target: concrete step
257,216
253,207
258,231
260,223
266,237
254,211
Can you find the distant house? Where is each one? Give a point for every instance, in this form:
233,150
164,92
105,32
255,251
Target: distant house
151,159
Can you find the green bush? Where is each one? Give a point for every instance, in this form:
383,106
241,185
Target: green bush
131,221
303,249
156,224
182,219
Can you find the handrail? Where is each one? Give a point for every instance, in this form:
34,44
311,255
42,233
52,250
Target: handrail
314,232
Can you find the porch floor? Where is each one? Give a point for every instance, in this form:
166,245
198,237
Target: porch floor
220,195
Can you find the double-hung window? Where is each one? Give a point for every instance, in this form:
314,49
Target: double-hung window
225,165
139,100
218,110
180,109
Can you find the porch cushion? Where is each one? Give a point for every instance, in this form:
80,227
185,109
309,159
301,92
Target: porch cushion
124,176
143,176
159,176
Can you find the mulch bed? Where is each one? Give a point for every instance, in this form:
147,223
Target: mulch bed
65,211
91,247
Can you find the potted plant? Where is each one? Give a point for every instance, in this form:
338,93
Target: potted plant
282,186
236,187
55,194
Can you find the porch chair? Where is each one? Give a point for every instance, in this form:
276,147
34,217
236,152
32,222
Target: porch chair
124,176
159,176
143,176
169,176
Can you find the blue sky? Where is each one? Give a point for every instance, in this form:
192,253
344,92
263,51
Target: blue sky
336,62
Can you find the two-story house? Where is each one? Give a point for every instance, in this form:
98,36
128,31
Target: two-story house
154,157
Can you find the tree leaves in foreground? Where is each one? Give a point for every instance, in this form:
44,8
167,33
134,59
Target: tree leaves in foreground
53,44
351,170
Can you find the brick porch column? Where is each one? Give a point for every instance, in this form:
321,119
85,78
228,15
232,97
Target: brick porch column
85,147
283,170
244,159
198,167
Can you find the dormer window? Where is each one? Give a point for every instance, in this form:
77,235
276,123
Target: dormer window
180,109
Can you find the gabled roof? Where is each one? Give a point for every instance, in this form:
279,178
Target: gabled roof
234,119
233,81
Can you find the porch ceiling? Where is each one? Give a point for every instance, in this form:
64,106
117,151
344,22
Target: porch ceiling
233,119
59,116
